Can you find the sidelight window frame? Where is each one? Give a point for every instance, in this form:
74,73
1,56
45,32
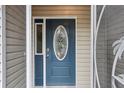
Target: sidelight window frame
35,24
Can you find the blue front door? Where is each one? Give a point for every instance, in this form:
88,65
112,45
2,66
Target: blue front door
60,52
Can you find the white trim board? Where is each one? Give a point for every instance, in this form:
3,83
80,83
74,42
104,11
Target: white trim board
44,46
92,47
2,46
94,8
29,58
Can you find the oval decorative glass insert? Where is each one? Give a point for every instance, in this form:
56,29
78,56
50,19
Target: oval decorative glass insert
60,42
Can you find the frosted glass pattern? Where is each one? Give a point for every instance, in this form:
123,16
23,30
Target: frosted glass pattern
60,42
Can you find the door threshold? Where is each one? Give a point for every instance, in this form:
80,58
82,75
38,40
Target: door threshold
38,87
60,86
54,86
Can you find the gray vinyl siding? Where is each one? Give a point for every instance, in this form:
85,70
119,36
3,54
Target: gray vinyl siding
101,49
83,35
15,46
111,29
0,46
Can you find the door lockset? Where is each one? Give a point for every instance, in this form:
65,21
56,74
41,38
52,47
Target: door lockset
47,52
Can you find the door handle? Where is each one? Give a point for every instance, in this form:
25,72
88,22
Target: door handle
47,55
47,50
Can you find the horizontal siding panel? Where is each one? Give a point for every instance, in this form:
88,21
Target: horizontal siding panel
14,41
83,38
13,81
79,56
85,73
15,46
83,29
15,68
14,21
14,55
84,69
15,28
14,34
84,78
15,25
83,33
10,12
86,25
85,64
83,51
64,7
15,75
62,12
84,46
83,18
82,43
14,62
16,9
16,80
15,31
83,61
21,84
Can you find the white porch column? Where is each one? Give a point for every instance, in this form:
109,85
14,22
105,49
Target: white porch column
28,47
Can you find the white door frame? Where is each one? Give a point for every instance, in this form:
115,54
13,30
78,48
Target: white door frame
44,46
29,48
